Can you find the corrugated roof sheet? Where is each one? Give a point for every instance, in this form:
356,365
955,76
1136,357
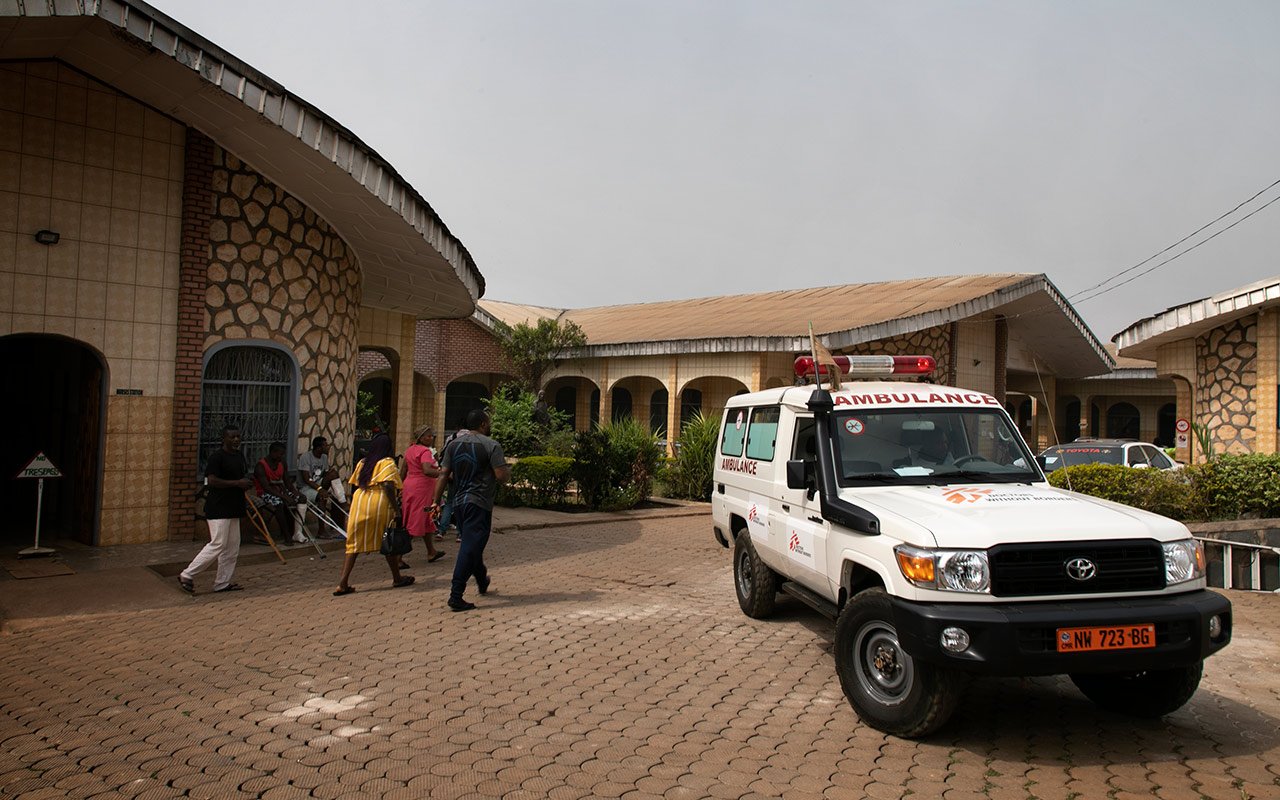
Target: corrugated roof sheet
767,314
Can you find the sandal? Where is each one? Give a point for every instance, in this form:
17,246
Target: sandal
341,590
230,587
439,555
403,580
186,585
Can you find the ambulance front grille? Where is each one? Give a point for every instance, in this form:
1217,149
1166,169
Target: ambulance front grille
1026,570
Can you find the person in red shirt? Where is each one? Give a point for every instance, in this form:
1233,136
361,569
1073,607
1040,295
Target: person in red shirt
274,485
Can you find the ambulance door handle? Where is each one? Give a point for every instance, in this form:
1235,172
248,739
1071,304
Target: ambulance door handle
786,508
816,519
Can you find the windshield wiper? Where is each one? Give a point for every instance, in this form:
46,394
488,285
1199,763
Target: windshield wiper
879,477
980,475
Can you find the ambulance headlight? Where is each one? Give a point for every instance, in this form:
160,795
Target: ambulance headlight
1183,561
945,570
964,571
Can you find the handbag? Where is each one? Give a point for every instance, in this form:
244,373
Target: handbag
395,541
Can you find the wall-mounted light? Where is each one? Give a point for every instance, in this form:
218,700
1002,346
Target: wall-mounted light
48,237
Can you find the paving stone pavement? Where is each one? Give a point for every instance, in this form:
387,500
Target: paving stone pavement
611,661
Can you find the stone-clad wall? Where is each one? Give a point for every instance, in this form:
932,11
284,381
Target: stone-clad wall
278,272
935,341
1226,384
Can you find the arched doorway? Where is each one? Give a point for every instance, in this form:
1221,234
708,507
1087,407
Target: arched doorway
566,402
658,412
577,397
620,406
1166,418
376,401
460,399
58,408
1071,421
1123,421
252,385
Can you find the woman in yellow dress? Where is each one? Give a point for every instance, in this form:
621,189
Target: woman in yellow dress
374,506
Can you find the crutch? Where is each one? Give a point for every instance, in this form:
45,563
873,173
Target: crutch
326,519
255,516
301,517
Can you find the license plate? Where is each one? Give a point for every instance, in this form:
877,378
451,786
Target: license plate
1112,637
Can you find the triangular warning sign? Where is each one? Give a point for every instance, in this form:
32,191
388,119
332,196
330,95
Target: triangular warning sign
40,467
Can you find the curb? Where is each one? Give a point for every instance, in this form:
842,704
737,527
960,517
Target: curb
616,516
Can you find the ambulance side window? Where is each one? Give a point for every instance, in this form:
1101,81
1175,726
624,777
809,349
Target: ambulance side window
805,446
762,433
735,430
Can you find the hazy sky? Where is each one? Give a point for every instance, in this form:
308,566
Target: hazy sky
597,152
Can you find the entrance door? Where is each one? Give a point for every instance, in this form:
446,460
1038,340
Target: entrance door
53,404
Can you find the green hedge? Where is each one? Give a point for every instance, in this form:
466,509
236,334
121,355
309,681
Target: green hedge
1229,487
541,481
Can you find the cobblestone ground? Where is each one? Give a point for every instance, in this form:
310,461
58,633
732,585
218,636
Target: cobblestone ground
611,662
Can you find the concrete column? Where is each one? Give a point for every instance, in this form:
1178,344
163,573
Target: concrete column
441,396
1086,403
402,371
1185,409
606,394
1268,372
673,406
1002,360
1037,430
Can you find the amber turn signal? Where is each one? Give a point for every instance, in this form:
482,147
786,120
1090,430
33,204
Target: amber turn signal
916,567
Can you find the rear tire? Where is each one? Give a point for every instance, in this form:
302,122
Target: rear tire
755,584
889,690
1149,694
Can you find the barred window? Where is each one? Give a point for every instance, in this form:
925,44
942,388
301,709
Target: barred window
252,387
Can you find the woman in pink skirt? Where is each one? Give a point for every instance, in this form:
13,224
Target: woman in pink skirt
419,473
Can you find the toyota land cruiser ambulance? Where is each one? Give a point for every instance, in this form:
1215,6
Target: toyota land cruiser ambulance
916,517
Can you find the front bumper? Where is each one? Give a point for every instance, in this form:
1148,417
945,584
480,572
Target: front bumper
1015,639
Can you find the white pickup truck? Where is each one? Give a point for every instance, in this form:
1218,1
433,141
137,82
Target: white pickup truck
915,516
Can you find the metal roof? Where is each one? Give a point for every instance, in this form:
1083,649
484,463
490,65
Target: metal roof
1143,339
842,316
411,262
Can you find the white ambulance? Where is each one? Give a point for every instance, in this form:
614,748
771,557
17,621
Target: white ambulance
915,516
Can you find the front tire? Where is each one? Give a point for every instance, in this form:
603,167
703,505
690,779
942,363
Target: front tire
889,690
1148,694
755,584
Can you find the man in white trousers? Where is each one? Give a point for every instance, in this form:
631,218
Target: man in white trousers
225,474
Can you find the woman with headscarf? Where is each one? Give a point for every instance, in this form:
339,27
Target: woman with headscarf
374,506
419,473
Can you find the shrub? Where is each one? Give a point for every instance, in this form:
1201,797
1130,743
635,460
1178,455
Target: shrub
513,426
1229,487
1167,493
542,481
614,464
1234,486
689,474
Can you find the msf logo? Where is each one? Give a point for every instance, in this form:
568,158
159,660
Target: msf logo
753,515
797,547
963,495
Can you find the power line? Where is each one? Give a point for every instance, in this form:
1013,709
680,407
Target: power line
1179,255
1175,244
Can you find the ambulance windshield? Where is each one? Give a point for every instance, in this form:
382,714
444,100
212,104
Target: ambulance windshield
938,445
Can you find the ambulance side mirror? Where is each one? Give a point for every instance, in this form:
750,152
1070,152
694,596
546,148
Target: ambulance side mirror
796,474
1044,463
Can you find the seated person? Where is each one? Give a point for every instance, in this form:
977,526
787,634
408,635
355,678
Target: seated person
320,481
275,488
934,449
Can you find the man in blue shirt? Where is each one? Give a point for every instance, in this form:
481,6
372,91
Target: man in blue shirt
474,465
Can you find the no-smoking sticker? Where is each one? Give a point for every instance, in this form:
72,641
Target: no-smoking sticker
853,426
1182,426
